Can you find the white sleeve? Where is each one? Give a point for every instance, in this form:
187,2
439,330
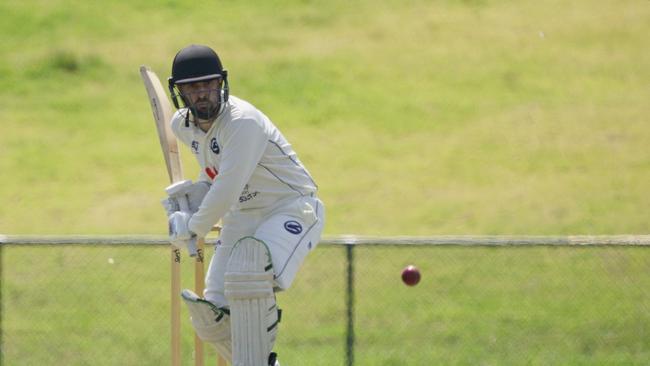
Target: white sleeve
243,146
185,136
178,128
203,177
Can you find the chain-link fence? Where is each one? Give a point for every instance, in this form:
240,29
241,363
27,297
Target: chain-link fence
481,301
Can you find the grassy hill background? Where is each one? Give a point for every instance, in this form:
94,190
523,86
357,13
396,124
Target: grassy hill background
415,118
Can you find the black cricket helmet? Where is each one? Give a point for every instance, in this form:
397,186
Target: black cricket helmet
196,63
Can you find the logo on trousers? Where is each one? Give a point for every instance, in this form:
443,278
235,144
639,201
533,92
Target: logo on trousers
293,227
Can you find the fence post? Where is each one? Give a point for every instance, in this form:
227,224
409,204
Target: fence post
2,348
349,345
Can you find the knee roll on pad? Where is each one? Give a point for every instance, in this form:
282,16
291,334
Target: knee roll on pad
253,312
211,323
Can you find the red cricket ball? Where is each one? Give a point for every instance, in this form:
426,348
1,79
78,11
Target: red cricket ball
411,275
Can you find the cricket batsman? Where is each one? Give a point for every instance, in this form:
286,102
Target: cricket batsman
252,180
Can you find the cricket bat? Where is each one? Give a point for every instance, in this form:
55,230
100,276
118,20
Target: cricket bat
162,113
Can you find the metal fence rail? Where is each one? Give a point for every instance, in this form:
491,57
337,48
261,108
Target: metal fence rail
451,240
75,300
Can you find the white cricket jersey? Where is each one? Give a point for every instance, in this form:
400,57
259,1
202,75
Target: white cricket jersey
250,164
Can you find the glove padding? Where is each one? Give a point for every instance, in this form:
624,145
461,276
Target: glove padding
180,235
194,193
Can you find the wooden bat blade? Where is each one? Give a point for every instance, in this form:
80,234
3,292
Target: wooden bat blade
162,114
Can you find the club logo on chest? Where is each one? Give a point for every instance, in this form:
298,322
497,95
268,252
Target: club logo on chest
214,146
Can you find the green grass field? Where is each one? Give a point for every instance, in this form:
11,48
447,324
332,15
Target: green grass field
481,117
415,118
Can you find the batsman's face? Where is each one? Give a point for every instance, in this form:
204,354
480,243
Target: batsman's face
202,95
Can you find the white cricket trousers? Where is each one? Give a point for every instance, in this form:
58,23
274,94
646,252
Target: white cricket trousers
290,229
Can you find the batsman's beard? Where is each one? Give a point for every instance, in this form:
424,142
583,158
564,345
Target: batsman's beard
205,110
207,107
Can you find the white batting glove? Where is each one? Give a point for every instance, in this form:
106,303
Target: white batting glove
180,235
194,193
170,205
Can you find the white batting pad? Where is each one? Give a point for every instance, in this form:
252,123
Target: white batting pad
211,324
253,311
